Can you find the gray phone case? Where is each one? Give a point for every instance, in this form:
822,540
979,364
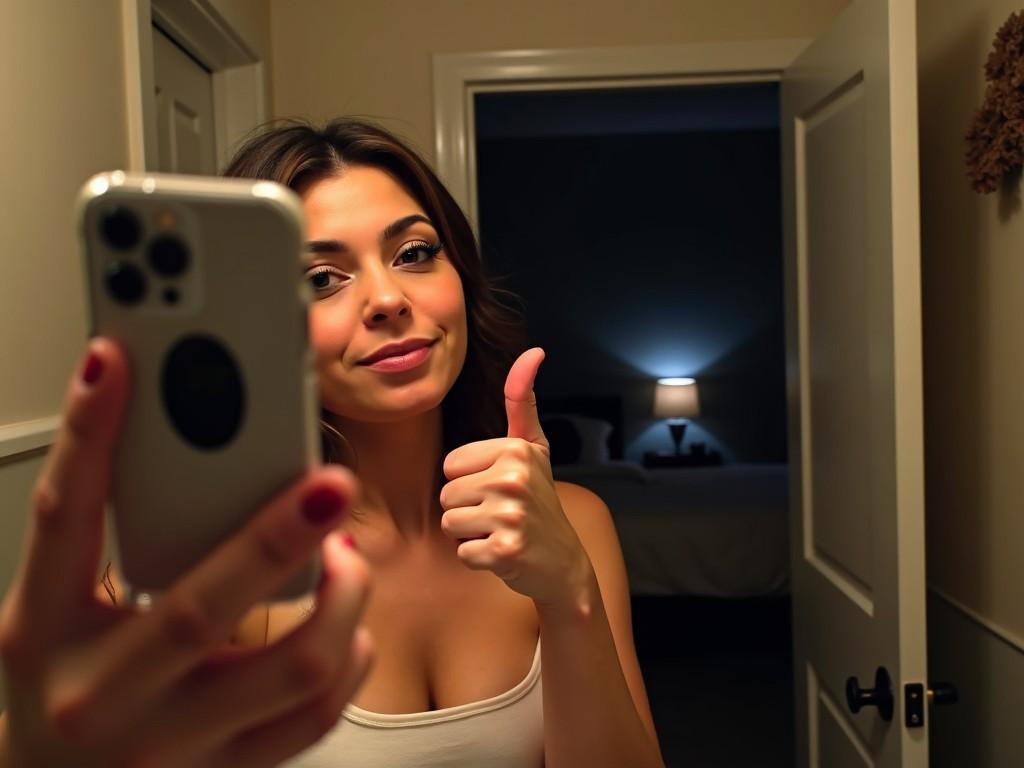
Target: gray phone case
223,408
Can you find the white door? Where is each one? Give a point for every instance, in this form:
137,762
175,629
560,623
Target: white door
184,107
849,122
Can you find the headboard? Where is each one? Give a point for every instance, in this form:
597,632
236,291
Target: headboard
607,407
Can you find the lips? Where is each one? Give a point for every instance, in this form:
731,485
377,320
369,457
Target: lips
394,350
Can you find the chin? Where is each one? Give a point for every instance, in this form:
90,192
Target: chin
394,406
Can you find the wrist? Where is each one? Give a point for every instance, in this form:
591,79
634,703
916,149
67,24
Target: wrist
577,599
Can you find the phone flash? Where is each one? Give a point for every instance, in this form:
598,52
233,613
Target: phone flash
166,219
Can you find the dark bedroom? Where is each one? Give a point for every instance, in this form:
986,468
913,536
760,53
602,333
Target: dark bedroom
640,230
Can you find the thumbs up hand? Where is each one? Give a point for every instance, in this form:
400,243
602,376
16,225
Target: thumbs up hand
502,506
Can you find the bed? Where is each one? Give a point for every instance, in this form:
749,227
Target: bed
703,531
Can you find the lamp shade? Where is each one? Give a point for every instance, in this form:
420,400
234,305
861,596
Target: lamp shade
676,399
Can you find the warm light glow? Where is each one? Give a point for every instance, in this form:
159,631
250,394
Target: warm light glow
676,399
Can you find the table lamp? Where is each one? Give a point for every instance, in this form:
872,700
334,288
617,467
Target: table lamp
676,399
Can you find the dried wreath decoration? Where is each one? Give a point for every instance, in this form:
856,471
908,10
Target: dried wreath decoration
995,140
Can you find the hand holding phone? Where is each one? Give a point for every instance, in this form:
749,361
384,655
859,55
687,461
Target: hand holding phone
200,280
92,684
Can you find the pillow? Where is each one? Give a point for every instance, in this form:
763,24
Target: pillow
576,439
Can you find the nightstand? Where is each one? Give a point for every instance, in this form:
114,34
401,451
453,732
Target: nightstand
654,460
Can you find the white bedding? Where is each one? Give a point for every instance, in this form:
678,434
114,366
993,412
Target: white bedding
710,531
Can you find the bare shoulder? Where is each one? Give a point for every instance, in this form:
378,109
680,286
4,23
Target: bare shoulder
585,509
590,518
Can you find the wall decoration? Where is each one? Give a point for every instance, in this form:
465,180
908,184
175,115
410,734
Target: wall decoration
995,140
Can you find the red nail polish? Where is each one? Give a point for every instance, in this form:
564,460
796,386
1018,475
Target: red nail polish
322,505
93,369
348,541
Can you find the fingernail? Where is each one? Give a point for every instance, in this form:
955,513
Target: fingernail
93,369
348,541
321,505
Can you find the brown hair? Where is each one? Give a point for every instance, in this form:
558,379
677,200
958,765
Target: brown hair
296,153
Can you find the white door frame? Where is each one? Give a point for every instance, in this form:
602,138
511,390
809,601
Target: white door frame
458,77
239,76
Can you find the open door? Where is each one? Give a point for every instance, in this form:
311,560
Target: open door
853,337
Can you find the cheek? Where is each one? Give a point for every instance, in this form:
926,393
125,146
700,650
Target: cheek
453,308
329,331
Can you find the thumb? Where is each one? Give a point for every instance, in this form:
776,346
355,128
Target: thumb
520,402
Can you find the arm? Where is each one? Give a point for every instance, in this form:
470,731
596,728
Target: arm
595,705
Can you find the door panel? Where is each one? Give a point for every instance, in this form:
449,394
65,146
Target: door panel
184,106
838,747
853,360
837,530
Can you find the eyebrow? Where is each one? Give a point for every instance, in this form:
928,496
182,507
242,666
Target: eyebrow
392,230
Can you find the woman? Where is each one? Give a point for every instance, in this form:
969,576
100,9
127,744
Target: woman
500,609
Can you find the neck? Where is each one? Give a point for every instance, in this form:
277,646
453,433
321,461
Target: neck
398,467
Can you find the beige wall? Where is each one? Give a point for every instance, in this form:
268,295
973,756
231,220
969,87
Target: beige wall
63,121
374,59
973,282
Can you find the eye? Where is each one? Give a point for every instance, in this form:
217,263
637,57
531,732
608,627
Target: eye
325,280
417,253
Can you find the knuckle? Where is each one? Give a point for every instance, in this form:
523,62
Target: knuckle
45,503
271,548
19,651
508,546
512,516
516,478
517,448
68,716
78,422
187,623
310,668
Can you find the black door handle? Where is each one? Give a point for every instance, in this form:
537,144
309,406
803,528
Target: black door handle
880,696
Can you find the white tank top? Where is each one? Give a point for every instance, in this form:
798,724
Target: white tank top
505,731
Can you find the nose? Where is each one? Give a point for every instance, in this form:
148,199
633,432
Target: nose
384,299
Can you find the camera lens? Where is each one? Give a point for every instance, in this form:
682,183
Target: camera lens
120,228
125,283
168,255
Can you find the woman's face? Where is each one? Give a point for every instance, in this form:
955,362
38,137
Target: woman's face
379,277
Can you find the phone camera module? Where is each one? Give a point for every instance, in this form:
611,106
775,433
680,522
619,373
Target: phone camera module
126,283
168,255
120,228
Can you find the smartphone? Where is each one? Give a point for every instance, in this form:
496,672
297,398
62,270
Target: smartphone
201,281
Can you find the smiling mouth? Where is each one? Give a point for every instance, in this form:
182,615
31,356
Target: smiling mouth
403,361
377,357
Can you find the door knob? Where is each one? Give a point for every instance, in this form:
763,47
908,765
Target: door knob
880,696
